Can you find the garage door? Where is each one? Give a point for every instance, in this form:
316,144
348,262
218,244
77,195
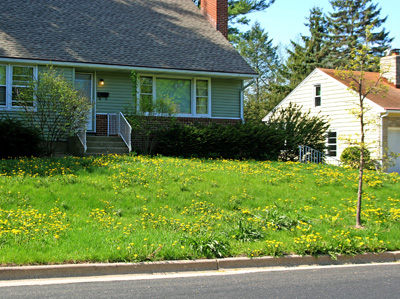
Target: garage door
394,146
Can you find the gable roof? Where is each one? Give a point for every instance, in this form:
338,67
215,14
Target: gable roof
388,101
167,34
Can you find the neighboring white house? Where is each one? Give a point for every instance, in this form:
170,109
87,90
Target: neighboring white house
324,93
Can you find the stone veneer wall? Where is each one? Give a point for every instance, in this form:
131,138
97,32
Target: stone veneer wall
390,65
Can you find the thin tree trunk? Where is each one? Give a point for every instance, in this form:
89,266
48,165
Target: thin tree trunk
361,169
360,186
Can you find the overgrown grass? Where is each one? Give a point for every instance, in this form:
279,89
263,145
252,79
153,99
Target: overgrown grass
136,208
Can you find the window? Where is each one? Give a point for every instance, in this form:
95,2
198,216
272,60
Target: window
13,79
21,76
146,94
317,95
332,144
3,85
176,90
201,97
190,96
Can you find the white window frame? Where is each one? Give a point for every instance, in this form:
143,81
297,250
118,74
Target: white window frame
193,85
9,84
5,85
315,95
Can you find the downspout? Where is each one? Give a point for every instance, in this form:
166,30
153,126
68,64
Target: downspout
382,150
242,98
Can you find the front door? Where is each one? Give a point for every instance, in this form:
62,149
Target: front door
83,83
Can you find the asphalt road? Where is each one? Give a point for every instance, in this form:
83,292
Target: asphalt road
358,281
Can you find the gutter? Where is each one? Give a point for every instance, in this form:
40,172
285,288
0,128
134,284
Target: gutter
382,150
130,68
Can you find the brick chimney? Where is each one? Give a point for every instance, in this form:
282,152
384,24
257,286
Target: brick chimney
390,67
216,11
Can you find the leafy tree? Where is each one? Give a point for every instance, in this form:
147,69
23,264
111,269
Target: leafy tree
54,107
361,59
258,50
300,128
347,30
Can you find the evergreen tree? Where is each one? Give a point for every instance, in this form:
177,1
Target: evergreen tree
258,50
347,30
237,11
304,56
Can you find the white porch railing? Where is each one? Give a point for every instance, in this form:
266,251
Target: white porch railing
125,130
82,138
309,155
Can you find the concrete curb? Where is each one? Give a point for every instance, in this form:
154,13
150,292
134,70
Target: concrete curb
79,270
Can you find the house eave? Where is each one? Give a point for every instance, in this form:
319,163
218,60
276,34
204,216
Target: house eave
113,67
392,110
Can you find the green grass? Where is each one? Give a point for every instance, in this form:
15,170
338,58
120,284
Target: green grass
136,208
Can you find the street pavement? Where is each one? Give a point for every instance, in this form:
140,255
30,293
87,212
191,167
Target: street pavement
341,281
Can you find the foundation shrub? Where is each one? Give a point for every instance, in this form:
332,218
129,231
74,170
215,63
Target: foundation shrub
17,139
351,157
241,141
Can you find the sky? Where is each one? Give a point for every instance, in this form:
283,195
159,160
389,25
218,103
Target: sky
285,19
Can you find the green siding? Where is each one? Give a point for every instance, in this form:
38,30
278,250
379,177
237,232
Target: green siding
225,98
119,86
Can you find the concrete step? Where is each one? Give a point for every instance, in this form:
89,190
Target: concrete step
103,145
107,144
102,138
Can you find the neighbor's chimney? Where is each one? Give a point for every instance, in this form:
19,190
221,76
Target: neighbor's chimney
216,11
390,67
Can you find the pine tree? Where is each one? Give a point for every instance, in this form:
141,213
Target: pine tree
311,53
258,50
347,30
237,11
304,56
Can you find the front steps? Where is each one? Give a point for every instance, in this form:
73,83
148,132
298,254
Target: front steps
103,145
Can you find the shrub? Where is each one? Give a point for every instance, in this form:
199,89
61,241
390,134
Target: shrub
242,141
351,157
17,139
299,128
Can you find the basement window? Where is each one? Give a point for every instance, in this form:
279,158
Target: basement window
332,144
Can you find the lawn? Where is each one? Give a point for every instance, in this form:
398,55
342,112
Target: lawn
137,208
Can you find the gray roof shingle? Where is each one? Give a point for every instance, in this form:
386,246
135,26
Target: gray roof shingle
170,34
